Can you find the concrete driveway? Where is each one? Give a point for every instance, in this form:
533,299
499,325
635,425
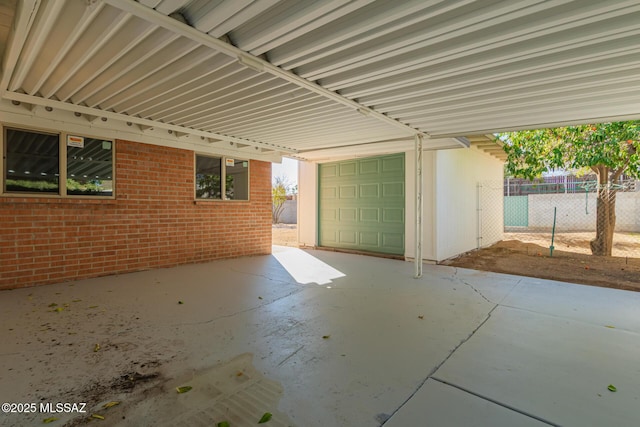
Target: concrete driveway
320,338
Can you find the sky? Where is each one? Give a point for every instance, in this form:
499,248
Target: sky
288,168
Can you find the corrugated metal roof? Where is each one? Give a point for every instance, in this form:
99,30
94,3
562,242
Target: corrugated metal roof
321,74
7,8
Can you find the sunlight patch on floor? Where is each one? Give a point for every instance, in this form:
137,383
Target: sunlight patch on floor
305,268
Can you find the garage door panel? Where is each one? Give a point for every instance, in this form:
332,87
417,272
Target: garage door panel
348,191
369,167
348,237
329,171
370,239
361,204
393,240
348,215
348,169
329,237
328,193
393,165
370,215
393,215
329,214
370,190
393,189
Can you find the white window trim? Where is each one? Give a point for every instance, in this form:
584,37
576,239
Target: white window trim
223,178
62,165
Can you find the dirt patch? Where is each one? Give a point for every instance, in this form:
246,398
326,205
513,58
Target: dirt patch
97,395
285,234
233,391
534,260
625,244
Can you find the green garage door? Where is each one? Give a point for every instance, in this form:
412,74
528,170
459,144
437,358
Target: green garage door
361,204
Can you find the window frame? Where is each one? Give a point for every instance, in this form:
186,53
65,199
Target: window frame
62,165
223,178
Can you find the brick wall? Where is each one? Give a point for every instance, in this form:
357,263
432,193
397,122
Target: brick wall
153,222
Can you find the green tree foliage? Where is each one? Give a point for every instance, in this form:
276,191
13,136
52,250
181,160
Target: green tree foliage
607,149
75,187
208,186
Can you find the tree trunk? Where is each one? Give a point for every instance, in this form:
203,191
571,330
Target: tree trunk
277,208
605,216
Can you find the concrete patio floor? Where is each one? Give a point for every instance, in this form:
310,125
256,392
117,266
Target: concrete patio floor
322,339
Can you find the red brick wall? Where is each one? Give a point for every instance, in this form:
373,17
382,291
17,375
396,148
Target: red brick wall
153,222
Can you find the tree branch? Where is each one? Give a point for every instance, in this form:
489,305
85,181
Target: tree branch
622,168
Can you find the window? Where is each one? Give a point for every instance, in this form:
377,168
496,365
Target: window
208,177
89,166
39,162
237,180
32,162
212,180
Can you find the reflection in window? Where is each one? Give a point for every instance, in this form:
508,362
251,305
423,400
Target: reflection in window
208,177
89,167
237,181
32,162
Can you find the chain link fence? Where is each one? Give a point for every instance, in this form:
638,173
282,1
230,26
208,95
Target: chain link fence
490,213
576,218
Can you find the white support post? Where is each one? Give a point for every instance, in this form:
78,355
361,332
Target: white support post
419,207
479,212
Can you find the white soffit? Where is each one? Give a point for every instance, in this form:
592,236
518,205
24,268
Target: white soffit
375,149
322,74
489,144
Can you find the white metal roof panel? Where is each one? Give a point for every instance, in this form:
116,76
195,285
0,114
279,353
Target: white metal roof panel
316,74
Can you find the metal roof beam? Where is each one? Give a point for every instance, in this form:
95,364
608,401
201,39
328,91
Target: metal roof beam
142,123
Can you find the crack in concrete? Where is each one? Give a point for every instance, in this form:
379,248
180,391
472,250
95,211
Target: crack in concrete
511,290
511,408
264,276
464,340
477,291
435,369
247,310
464,282
290,356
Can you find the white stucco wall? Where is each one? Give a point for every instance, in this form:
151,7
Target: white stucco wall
577,212
458,173
307,203
289,213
